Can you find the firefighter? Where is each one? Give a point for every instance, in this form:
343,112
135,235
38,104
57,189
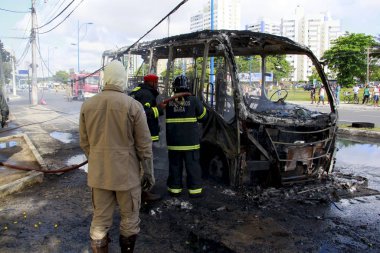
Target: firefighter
183,139
115,138
146,93
4,109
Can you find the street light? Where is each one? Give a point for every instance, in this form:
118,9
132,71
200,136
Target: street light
79,27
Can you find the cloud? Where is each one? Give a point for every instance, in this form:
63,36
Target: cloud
120,23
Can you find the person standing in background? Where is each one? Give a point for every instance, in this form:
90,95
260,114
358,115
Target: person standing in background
337,93
321,95
366,94
376,96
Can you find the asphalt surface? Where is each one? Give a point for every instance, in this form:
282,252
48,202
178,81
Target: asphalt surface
338,214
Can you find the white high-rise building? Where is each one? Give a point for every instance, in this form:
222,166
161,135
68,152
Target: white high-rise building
314,31
265,25
227,15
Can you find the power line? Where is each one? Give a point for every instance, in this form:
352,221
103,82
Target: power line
54,10
1,9
67,6
62,20
21,38
126,50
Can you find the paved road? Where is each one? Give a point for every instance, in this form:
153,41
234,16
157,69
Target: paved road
347,112
350,112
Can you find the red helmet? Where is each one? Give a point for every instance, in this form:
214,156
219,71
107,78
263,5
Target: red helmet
151,78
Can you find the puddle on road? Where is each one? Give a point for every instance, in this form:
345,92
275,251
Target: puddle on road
361,159
77,160
63,137
8,144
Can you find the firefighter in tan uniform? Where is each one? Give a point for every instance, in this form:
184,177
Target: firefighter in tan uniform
115,137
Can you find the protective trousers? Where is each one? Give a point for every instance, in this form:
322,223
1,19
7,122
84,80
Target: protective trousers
193,171
104,203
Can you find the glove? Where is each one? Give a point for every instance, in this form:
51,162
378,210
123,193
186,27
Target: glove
147,180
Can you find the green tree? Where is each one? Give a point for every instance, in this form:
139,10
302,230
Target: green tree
348,57
280,67
61,76
5,73
314,75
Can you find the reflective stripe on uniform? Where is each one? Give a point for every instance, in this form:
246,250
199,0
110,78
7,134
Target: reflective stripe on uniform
195,191
155,138
174,190
147,104
203,113
136,89
181,120
180,148
155,111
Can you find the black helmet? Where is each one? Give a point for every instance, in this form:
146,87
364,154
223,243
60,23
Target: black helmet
181,84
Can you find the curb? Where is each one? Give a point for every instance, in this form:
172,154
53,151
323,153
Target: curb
359,133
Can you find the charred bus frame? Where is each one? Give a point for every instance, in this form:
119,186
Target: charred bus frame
247,140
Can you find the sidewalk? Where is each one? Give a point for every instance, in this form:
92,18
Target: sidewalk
340,106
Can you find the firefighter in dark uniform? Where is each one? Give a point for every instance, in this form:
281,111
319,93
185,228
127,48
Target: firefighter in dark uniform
183,139
146,93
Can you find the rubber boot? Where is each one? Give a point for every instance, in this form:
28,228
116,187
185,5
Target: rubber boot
149,197
127,244
100,246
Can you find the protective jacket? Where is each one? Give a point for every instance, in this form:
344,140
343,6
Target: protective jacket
182,117
114,136
147,96
4,109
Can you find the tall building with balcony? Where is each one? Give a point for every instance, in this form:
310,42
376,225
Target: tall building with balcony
227,15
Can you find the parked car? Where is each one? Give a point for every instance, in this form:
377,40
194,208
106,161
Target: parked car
308,87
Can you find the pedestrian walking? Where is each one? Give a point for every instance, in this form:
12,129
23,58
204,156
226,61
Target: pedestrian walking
366,94
4,109
376,96
356,92
337,93
312,94
321,95
146,93
183,139
115,138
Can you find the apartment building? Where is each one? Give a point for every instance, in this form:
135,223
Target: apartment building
265,25
227,15
315,31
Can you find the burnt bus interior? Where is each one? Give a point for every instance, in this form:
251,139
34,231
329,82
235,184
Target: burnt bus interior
252,135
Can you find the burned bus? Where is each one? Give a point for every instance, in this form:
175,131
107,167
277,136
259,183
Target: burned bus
253,135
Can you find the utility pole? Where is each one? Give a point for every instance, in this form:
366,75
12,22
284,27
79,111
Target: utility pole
212,58
13,74
34,67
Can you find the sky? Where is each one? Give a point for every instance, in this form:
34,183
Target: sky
119,23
